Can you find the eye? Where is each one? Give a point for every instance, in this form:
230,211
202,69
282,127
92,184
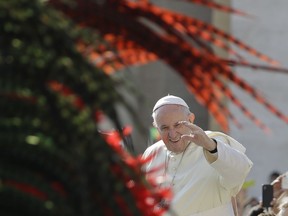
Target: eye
164,128
178,125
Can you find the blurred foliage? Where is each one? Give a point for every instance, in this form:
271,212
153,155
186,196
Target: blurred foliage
53,160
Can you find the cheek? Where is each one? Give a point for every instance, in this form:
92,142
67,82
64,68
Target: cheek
164,136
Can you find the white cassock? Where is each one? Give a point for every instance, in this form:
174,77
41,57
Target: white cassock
200,188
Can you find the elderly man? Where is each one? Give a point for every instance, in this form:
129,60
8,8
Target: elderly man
204,169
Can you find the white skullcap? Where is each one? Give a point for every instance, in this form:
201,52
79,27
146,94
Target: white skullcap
170,99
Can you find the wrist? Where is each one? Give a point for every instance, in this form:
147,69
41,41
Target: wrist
215,150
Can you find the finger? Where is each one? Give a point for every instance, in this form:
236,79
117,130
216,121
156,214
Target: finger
188,136
188,124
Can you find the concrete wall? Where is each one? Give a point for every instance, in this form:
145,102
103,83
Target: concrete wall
267,32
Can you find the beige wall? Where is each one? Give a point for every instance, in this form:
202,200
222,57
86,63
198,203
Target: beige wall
267,32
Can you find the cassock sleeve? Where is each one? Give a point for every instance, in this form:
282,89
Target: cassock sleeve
232,164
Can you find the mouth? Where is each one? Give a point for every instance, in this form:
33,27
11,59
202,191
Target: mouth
175,141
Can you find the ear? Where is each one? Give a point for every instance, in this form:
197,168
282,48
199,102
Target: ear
191,117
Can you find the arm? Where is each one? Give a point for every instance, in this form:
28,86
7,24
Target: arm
232,165
230,161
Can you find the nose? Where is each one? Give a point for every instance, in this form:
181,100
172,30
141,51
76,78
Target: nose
172,133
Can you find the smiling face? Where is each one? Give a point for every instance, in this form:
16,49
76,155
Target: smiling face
166,119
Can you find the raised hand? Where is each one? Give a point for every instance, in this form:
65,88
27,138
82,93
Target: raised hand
198,136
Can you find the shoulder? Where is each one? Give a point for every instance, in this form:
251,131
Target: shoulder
219,136
155,148
216,134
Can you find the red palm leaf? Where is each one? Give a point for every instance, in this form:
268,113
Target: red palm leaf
214,5
139,32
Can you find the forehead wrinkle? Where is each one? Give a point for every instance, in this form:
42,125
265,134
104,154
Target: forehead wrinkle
182,115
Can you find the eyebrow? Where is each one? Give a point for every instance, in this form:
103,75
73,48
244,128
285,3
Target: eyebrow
175,124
